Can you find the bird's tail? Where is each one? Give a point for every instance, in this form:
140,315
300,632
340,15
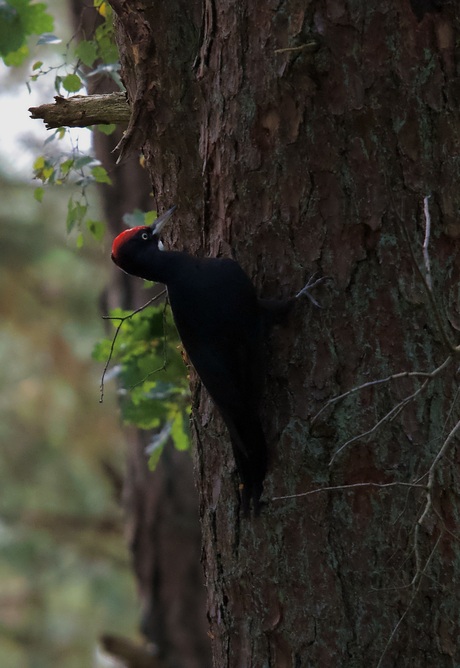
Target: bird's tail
250,452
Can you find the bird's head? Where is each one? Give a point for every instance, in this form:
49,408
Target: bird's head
134,247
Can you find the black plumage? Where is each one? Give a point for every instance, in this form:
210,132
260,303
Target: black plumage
221,323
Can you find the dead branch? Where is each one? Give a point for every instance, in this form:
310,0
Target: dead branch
80,111
351,488
371,383
396,409
313,45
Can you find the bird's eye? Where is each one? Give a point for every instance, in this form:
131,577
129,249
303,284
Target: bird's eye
144,236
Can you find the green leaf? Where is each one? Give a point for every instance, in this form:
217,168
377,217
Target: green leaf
151,374
16,58
178,432
43,169
35,19
39,162
86,51
155,457
97,229
119,313
56,135
100,174
18,20
134,219
38,194
141,415
101,350
103,36
83,161
12,33
75,214
37,65
138,217
66,166
72,83
150,217
107,128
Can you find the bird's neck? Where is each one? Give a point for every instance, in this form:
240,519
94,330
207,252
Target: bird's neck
165,267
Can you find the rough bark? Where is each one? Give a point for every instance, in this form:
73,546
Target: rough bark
81,111
295,162
162,524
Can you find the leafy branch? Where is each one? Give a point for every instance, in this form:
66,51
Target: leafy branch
153,388
19,19
82,170
80,62
121,320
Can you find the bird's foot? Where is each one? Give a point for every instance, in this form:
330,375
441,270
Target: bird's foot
313,282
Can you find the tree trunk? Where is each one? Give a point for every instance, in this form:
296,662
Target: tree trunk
162,523
294,161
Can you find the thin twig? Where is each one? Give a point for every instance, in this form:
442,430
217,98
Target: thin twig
429,494
431,473
310,46
409,605
351,488
371,383
451,409
426,242
395,410
117,331
429,293
389,416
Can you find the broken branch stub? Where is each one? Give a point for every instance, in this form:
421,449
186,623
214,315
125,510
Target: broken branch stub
81,111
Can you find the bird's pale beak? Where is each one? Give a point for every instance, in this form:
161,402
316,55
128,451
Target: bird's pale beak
160,222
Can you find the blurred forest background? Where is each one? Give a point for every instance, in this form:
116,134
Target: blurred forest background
64,566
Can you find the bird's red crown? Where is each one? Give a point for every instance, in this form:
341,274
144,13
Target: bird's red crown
122,238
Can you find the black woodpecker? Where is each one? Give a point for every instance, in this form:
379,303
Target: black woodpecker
221,323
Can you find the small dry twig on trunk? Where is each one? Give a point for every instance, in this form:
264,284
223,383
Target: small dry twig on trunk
396,409
426,242
454,351
351,488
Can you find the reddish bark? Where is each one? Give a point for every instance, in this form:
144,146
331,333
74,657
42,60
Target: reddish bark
295,162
